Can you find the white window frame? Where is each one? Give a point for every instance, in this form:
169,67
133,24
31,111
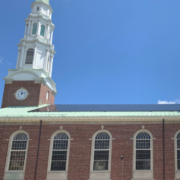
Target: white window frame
175,150
92,151
9,151
51,149
134,149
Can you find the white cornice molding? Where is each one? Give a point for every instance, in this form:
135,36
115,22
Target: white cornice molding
94,120
22,41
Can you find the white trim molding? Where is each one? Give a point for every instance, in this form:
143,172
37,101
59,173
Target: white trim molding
142,174
58,175
15,174
177,172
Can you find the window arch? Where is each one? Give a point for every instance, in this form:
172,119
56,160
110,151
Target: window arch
18,151
101,151
34,28
59,151
29,56
42,30
143,150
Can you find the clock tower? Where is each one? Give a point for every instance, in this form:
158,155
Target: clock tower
30,83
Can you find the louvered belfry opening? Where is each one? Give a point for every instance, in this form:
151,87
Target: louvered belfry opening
29,56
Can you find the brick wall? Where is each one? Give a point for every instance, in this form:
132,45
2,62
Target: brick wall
37,92
80,149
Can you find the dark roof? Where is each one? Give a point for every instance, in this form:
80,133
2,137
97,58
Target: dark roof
108,107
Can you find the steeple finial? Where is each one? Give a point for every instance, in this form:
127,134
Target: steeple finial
44,1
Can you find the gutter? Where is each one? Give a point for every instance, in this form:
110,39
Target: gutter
40,128
163,152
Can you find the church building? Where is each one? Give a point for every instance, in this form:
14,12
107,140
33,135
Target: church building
40,140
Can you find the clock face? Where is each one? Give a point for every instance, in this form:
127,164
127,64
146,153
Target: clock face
21,94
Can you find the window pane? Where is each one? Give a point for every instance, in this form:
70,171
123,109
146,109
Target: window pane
21,136
100,165
142,144
101,155
60,144
178,143
102,135
17,160
178,164
178,154
102,144
42,30
143,165
143,154
34,28
58,166
19,145
143,135
59,155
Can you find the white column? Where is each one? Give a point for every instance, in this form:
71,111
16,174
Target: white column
29,27
38,29
22,56
17,64
50,71
46,60
51,36
34,59
25,32
46,31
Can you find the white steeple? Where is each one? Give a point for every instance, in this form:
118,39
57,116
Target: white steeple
36,51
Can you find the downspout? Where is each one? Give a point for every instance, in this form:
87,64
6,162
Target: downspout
163,153
40,127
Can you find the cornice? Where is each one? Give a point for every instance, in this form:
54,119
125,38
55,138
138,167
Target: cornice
37,41
94,120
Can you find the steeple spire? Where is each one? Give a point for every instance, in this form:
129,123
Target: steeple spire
44,1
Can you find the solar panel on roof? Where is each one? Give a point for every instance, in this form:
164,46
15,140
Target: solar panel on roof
109,107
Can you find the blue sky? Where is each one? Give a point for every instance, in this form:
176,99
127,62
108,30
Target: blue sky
108,51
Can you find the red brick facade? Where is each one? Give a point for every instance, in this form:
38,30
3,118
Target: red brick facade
80,149
37,94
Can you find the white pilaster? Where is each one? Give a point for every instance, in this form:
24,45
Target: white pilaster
51,36
50,71
46,61
38,29
22,56
18,60
25,32
34,59
29,27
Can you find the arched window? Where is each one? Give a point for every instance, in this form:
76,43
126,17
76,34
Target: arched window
42,30
59,155
143,151
34,28
37,8
101,152
29,56
18,152
178,151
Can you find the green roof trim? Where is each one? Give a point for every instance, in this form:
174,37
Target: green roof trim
44,1
23,112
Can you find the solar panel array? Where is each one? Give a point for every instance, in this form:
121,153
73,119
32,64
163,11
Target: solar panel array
108,107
